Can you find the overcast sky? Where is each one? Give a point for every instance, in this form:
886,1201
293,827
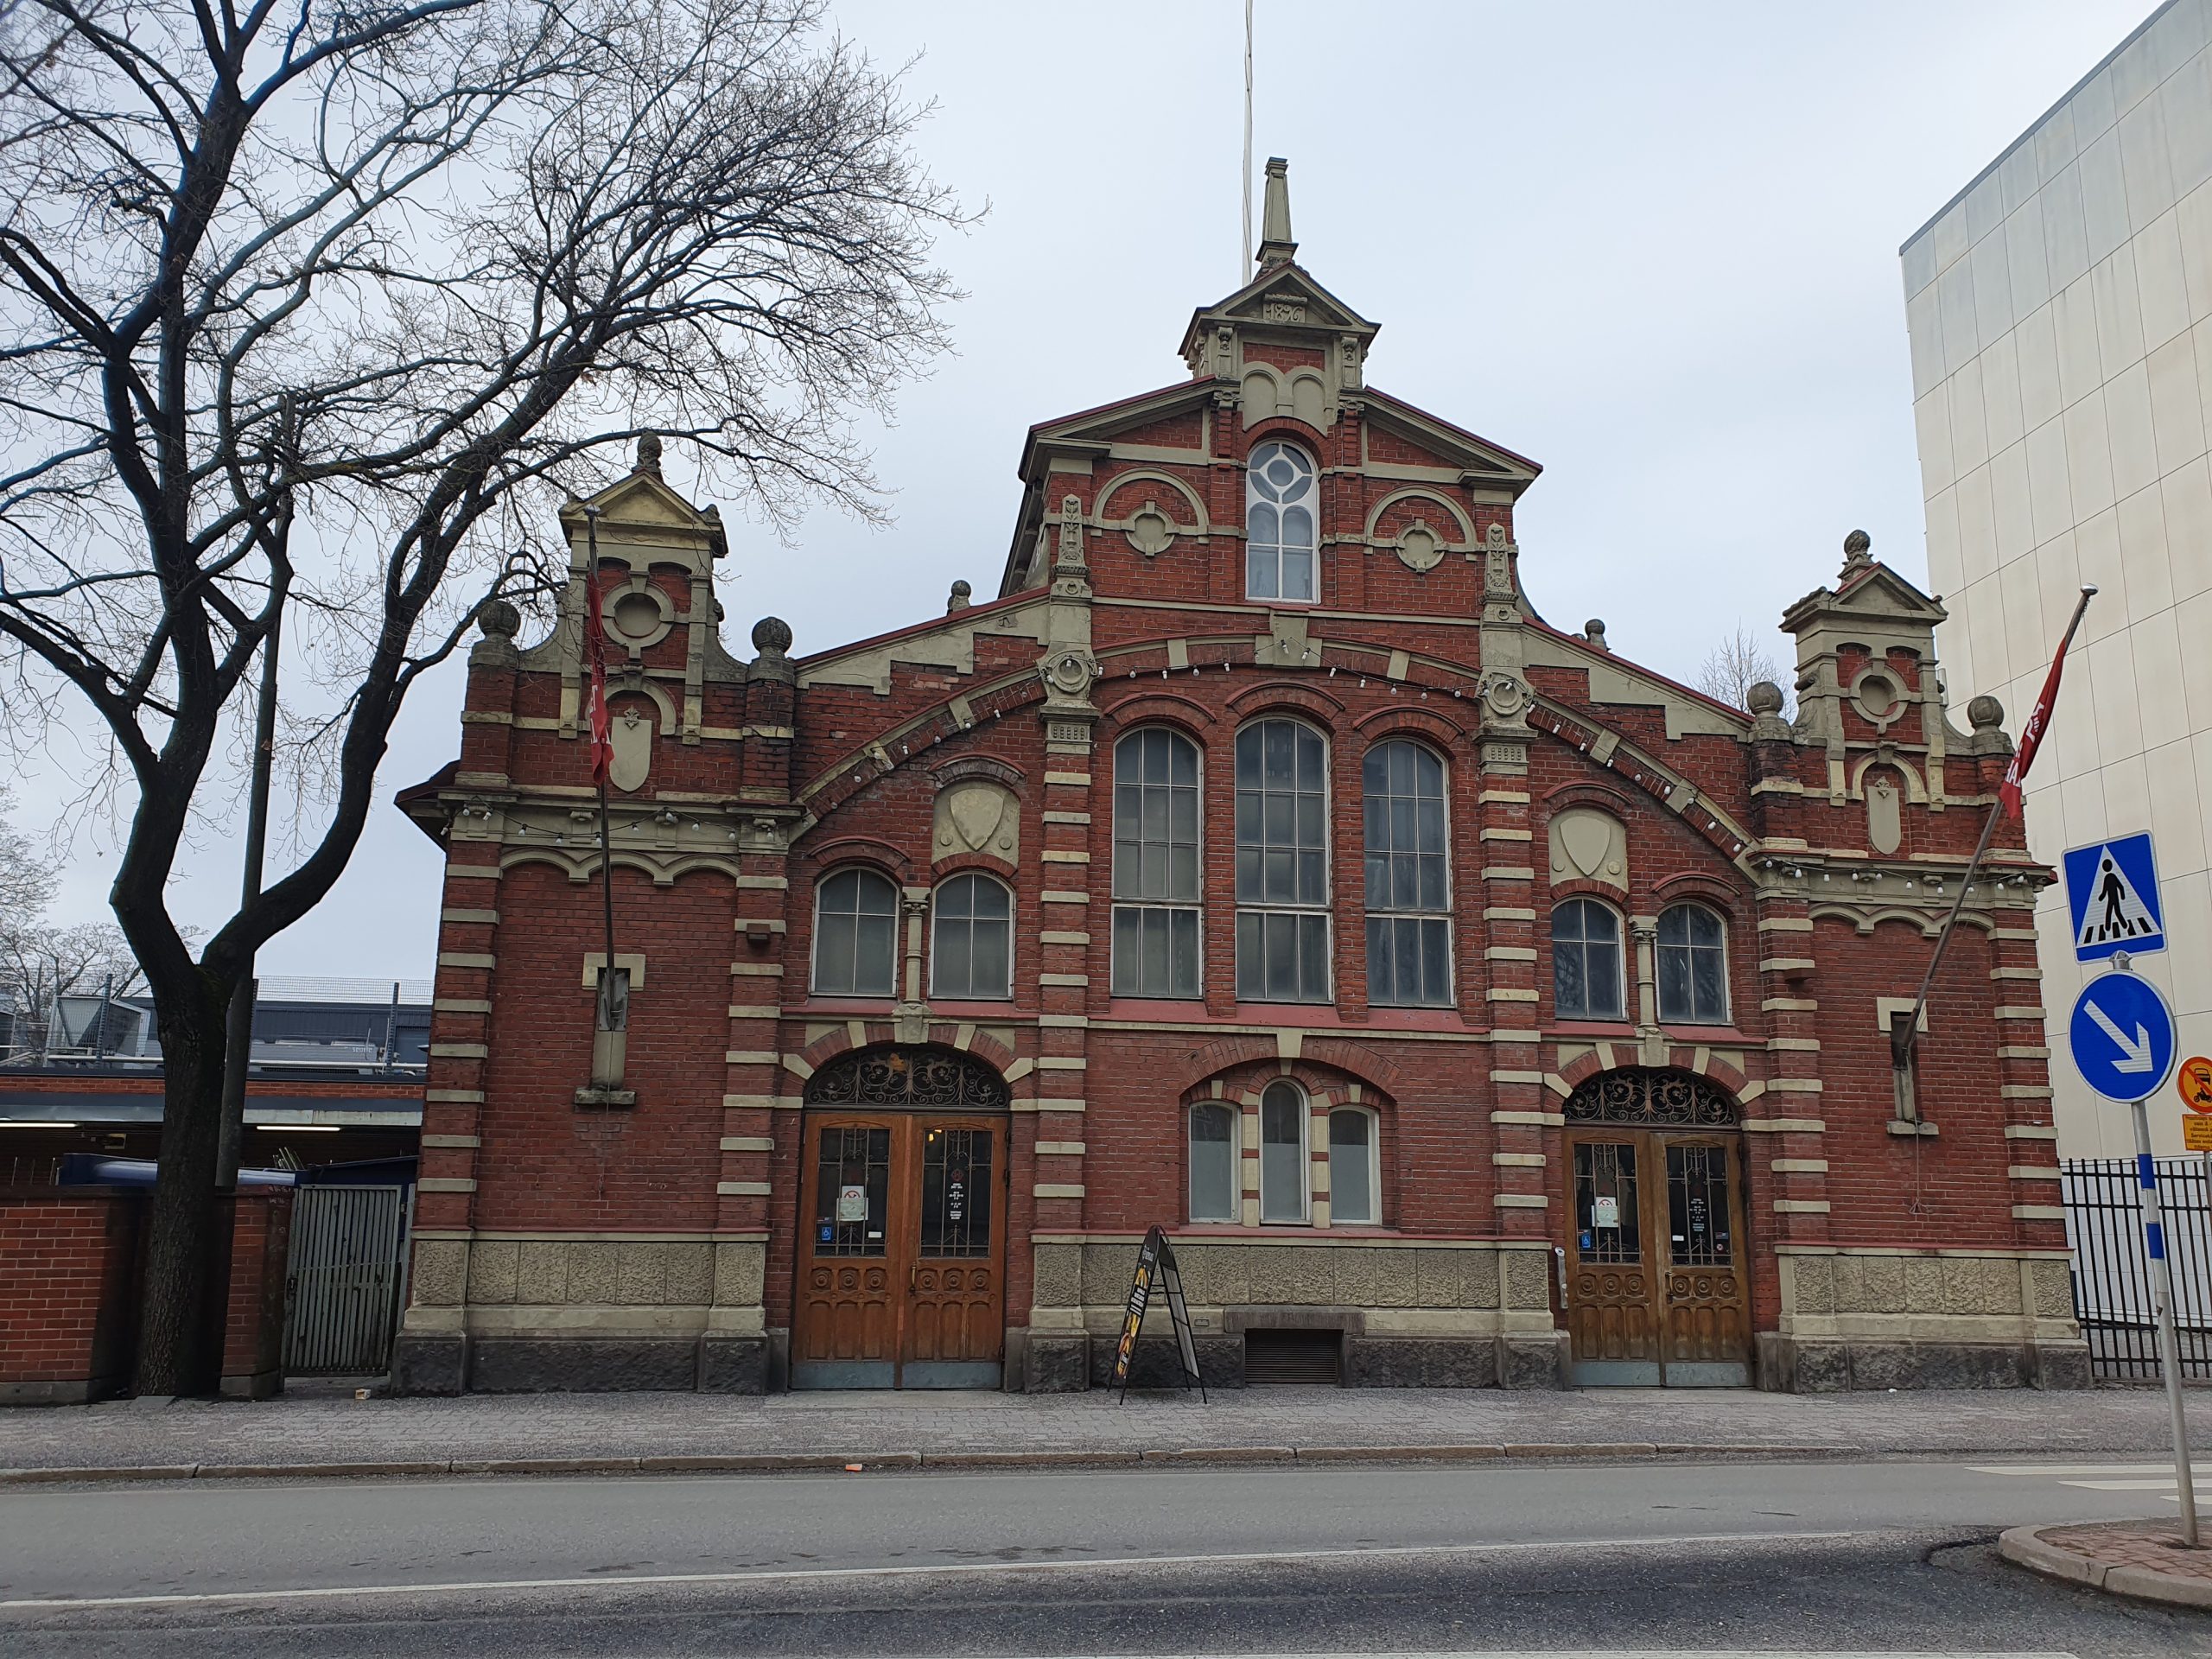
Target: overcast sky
1653,247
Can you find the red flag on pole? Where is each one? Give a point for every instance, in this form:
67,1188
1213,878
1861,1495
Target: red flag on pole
602,745
2039,721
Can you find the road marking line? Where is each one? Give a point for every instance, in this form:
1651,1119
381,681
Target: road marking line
2156,1482
814,1574
2063,1469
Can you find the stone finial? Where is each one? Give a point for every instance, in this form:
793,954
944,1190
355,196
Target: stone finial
1858,554
1985,714
1764,698
772,637
498,620
958,601
1765,701
1276,246
1594,632
648,456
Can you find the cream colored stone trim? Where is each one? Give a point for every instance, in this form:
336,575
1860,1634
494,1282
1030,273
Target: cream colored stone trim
486,717
1801,1207
1057,1189
748,1103
1785,924
472,917
1055,1063
1042,1104
1785,964
455,1096
2017,1012
1795,1085
473,871
1020,1069
774,924
1519,1200
1062,936
748,1143
1508,913
459,1005
1519,1160
1064,1022
1516,1076
1078,779
759,1057
1785,1126
1078,980
765,969
1491,832
595,960
743,1189
1059,1148
1541,1120
1509,872
1063,896
2030,1132
2032,1172
2016,973
1506,994
792,1064
764,883
1800,1166
1515,795
1789,1005
2027,933
1508,953
466,959
2007,1054
1290,1043
445,1184
460,1051
461,1141
1793,1044
1067,817
2039,1213
755,1011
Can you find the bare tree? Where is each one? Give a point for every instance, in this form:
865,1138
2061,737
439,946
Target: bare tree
309,315
40,962
1736,664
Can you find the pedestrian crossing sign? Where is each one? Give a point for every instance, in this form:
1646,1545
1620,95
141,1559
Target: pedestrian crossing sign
2111,895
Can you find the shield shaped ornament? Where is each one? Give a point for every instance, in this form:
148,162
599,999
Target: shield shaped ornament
1884,819
632,739
1587,838
975,811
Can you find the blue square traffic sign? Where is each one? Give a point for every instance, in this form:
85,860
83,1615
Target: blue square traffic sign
2111,895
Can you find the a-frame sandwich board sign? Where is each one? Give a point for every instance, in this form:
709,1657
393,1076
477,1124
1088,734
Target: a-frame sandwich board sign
1155,1264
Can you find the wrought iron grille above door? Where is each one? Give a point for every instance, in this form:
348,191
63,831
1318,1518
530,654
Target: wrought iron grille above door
909,1079
1645,1097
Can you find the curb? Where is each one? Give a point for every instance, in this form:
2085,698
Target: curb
821,1462
2025,1547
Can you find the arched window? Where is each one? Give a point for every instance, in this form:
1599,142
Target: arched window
1279,532
855,917
1213,1163
1282,863
1692,966
1353,1194
971,948
1155,865
1585,961
1282,1152
1408,898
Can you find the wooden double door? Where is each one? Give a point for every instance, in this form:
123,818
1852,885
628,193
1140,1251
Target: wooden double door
901,1277
1657,1283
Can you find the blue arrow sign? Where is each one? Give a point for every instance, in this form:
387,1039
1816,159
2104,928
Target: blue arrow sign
2112,897
2122,1037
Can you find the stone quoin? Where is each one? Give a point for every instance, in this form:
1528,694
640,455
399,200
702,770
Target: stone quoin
1470,1005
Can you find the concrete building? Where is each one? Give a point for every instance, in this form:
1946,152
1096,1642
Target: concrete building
1469,1004
2060,310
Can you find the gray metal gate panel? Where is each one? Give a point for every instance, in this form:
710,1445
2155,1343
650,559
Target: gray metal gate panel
2111,1269
342,1285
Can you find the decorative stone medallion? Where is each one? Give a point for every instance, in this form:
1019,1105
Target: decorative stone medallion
1150,530
1420,548
977,816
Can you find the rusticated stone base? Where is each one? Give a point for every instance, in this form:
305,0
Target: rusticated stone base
1157,1364
580,1365
1534,1362
252,1385
1057,1364
430,1364
1789,1365
733,1365
1420,1363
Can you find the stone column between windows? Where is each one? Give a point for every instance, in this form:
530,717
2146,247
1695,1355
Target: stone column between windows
752,1076
1521,1115
1064,959
1248,1157
2023,1083
460,1023
1782,1118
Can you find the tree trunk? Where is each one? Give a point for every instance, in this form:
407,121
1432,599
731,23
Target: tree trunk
180,1343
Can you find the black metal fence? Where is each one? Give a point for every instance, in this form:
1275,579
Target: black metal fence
2112,1268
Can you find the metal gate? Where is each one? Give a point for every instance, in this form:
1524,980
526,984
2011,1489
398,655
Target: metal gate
344,1280
2112,1270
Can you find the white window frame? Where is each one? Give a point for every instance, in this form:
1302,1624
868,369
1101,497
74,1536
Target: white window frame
1001,995
1263,452
1621,979
814,943
1373,1121
1659,947
1325,907
1303,1117
1195,906
1443,912
1235,1210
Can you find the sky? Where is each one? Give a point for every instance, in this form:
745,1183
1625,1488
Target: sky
1654,248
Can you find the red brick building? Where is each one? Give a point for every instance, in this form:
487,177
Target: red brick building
1469,1004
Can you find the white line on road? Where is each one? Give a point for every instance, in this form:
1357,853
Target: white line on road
2061,1470
817,1575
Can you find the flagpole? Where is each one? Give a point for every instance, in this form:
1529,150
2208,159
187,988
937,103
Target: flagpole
1901,1036
1244,253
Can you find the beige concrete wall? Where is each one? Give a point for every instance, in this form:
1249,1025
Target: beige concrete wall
2060,315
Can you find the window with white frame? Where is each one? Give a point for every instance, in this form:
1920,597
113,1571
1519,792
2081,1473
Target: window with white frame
1353,1190
1280,540
1585,961
1408,896
855,924
1213,1163
1692,966
1283,1173
1155,865
1282,863
972,943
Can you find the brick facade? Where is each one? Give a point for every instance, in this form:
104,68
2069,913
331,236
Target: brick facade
564,1240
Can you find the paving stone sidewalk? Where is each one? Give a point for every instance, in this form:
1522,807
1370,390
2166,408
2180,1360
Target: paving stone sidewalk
325,1428
2143,1558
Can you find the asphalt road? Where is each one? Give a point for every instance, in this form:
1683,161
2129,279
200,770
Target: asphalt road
1889,1557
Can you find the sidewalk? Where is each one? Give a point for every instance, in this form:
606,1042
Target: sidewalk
2142,1558
302,1433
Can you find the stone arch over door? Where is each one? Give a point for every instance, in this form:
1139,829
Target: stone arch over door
902,1211
1657,1239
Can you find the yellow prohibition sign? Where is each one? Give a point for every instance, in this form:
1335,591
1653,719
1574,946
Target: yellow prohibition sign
2194,1079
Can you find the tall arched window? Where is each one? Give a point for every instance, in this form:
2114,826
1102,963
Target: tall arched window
1155,865
971,947
1278,527
1585,961
1282,863
1213,1163
1692,966
1282,1152
1408,898
1353,1192
855,918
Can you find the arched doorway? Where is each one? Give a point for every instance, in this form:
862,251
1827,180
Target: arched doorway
1658,1285
901,1276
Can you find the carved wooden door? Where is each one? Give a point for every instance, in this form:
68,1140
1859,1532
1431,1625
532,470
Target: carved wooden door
1612,1330
1705,1287
899,1266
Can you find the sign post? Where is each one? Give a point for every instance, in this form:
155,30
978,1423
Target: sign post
2123,1039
